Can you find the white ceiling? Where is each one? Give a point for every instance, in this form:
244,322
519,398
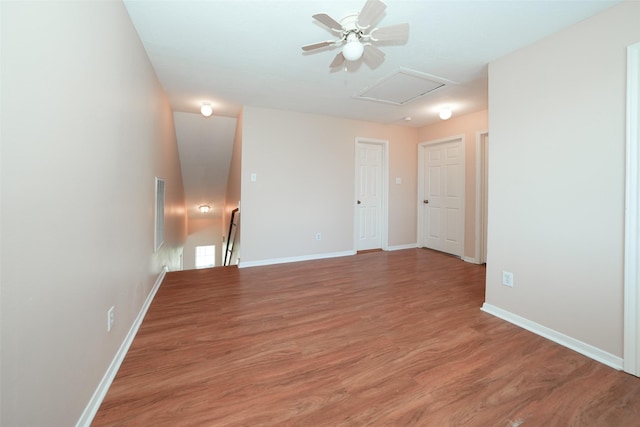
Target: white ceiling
204,145
248,52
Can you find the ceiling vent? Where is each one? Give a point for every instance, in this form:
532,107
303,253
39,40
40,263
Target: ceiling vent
403,86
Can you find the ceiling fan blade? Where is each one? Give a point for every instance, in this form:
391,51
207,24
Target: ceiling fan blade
371,11
393,33
328,21
372,56
337,61
317,45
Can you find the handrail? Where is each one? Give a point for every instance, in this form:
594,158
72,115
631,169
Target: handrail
230,243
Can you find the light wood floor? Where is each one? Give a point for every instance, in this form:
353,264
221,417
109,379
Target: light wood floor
381,339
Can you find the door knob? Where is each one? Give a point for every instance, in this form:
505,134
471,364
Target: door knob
359,202
425,201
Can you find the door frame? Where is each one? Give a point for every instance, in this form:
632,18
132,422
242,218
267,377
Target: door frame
482,154
631,353
384,181
421,171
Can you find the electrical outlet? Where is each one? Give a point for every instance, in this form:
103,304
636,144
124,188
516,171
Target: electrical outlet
507,278
110,318
318,236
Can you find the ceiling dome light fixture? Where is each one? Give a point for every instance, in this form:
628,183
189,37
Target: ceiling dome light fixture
445,113
206,110
204,208
353,49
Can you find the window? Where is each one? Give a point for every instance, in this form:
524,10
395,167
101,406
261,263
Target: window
205,256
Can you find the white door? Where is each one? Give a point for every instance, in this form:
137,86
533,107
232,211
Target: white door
369,195
441,205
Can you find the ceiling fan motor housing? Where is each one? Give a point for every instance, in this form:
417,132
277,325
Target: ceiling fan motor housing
352,34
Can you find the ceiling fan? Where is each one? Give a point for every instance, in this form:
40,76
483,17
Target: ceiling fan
357,36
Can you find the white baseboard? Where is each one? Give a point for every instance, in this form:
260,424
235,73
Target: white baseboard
588,350
401,247
262,262
98,396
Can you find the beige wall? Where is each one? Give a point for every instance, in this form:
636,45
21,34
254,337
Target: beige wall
305,183
556,178
85,130
468,125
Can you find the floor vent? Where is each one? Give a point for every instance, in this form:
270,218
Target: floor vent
403,86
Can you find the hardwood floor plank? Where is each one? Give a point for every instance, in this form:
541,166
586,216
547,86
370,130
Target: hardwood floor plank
381,338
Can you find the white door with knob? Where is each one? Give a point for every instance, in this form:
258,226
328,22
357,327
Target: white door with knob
441,195
370,210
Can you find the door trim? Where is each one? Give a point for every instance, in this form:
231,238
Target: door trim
421,171
481,195
631,353
384,218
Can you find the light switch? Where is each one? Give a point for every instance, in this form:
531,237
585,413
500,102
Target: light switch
398,180
254,177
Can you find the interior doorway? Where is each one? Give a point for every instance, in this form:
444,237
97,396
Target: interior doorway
631,356
441,195
371,182
482,194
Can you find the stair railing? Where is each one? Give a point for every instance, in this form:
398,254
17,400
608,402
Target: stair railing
231,238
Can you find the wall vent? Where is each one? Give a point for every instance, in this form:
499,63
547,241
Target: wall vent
403,86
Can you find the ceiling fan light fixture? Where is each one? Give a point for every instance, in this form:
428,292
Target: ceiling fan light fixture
206,110
353,49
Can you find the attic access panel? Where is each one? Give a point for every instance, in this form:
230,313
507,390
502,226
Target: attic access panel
403,86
